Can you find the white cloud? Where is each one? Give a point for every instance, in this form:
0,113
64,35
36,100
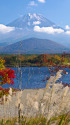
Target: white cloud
36,22
32,3
67,32
5,29
67,27
49,30
42,1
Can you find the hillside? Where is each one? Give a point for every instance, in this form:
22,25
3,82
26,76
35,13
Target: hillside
34,46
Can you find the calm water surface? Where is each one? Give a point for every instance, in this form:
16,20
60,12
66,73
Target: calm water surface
33,77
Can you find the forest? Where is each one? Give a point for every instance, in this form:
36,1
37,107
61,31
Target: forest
37,60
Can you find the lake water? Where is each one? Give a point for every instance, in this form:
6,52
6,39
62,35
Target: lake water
34,77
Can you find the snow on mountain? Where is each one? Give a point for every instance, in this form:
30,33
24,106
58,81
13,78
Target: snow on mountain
30,20
35,25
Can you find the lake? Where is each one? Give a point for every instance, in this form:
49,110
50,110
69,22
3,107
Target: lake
34,77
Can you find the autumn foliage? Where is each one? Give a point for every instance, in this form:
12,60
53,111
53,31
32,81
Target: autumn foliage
6,74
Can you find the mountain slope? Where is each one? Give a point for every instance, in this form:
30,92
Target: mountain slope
24,28
34,25
35,46
29,20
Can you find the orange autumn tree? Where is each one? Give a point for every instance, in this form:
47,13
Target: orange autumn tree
6,74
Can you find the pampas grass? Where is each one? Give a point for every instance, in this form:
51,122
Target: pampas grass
19,105
58,75
4,99
66,89
37,105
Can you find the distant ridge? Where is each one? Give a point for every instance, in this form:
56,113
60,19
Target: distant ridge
34,46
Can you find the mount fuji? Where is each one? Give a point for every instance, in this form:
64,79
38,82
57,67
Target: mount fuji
34,25
29,20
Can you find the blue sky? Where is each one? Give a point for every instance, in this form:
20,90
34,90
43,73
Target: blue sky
54,10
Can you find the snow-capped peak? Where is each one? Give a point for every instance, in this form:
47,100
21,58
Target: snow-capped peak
34,15
29,20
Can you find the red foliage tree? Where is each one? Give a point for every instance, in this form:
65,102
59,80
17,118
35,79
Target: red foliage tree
6,74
